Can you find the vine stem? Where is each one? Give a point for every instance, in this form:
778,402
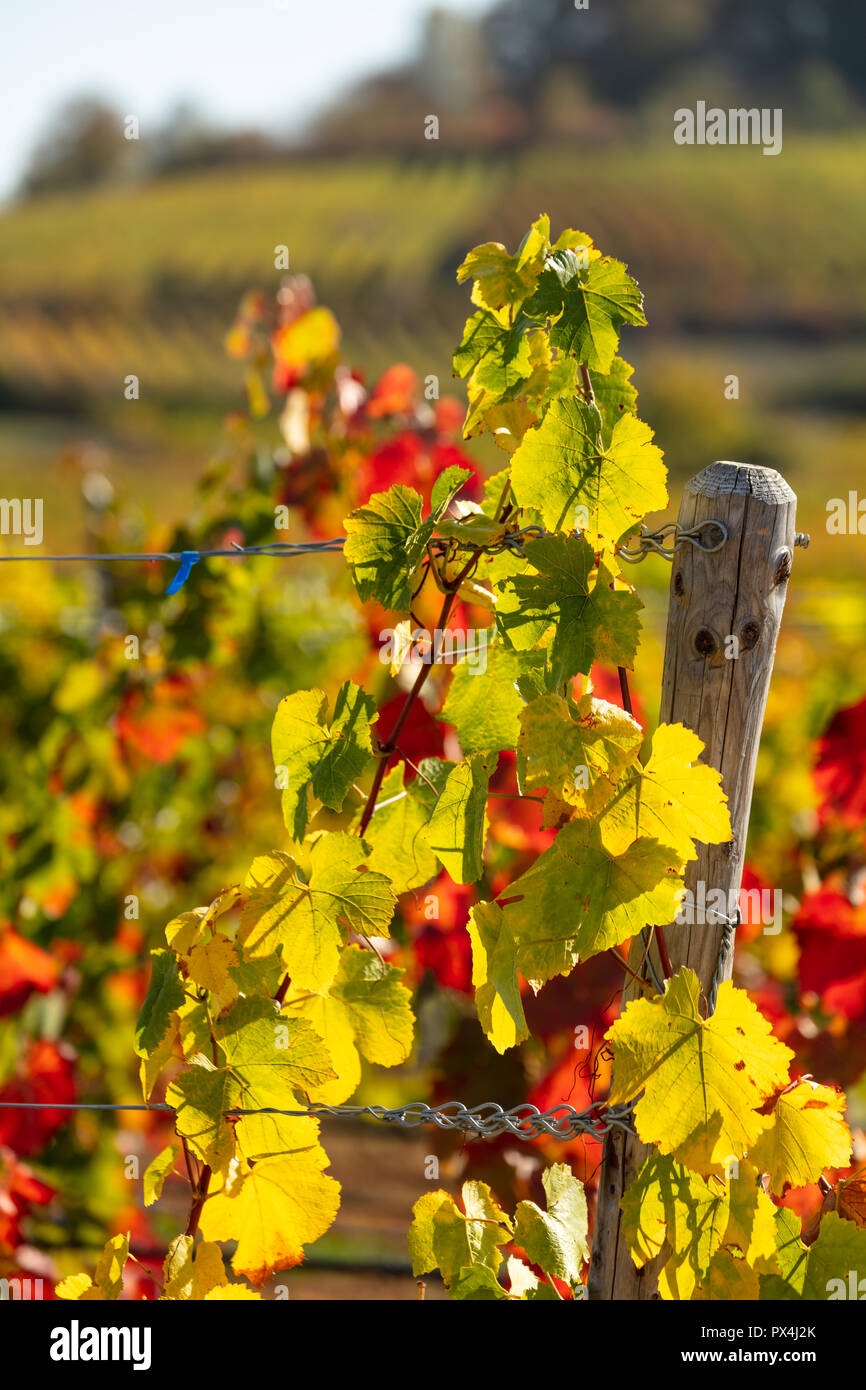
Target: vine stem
199,1180
658,932
390,744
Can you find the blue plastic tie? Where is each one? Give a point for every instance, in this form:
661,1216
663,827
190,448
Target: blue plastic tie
187,559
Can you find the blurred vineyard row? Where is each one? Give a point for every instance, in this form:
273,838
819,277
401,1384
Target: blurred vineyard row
726,240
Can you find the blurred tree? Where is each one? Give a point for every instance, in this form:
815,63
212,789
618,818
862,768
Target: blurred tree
83,144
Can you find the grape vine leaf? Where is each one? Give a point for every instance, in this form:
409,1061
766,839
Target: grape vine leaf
396,832
192,1271
494,977
703,1080
386,538
272,1209
502,281
576,751
457,827
164,995
107,1282
674,798
556,1240
495,358
595,303
484,705
367,1011
591,622
262,1060
666,1204
807,1134
314,753
156,1173
823,1270
445,1238
615,395
752,1227
578,899
310,921
561,470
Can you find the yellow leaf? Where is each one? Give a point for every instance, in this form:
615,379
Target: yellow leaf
807,1134
73,1286
310,338
209,964
703,1080
233,1293
577,752
494,976
673,799
272,1210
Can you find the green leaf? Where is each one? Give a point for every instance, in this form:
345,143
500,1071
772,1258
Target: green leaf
595,305
382,546
822,1271
591,622
445,489
497,359
263,1059
477,1284
310,921
484,704
561,470
556,1240
457,827
156,1173
502,281
396,833
164,995
576,751
314,753
386,539
444,1238
665,1203
703,1080
494,976
578,899
615,395
791,1259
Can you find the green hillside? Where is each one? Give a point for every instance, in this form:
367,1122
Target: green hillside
144,278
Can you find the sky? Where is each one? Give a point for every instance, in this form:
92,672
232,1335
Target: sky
271,63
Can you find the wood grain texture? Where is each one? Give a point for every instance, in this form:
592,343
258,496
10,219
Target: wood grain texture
736,592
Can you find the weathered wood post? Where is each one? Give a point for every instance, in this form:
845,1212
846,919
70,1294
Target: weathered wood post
717,687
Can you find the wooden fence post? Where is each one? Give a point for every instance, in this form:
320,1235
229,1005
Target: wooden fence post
718,687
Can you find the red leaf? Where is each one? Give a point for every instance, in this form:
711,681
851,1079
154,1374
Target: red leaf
395,393
24,969
157,723
840,771
46,1075
832,936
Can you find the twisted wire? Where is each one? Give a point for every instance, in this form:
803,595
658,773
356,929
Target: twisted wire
488,1119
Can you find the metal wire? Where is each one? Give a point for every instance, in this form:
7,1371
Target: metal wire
488,1119
727,941
654,541
647,542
